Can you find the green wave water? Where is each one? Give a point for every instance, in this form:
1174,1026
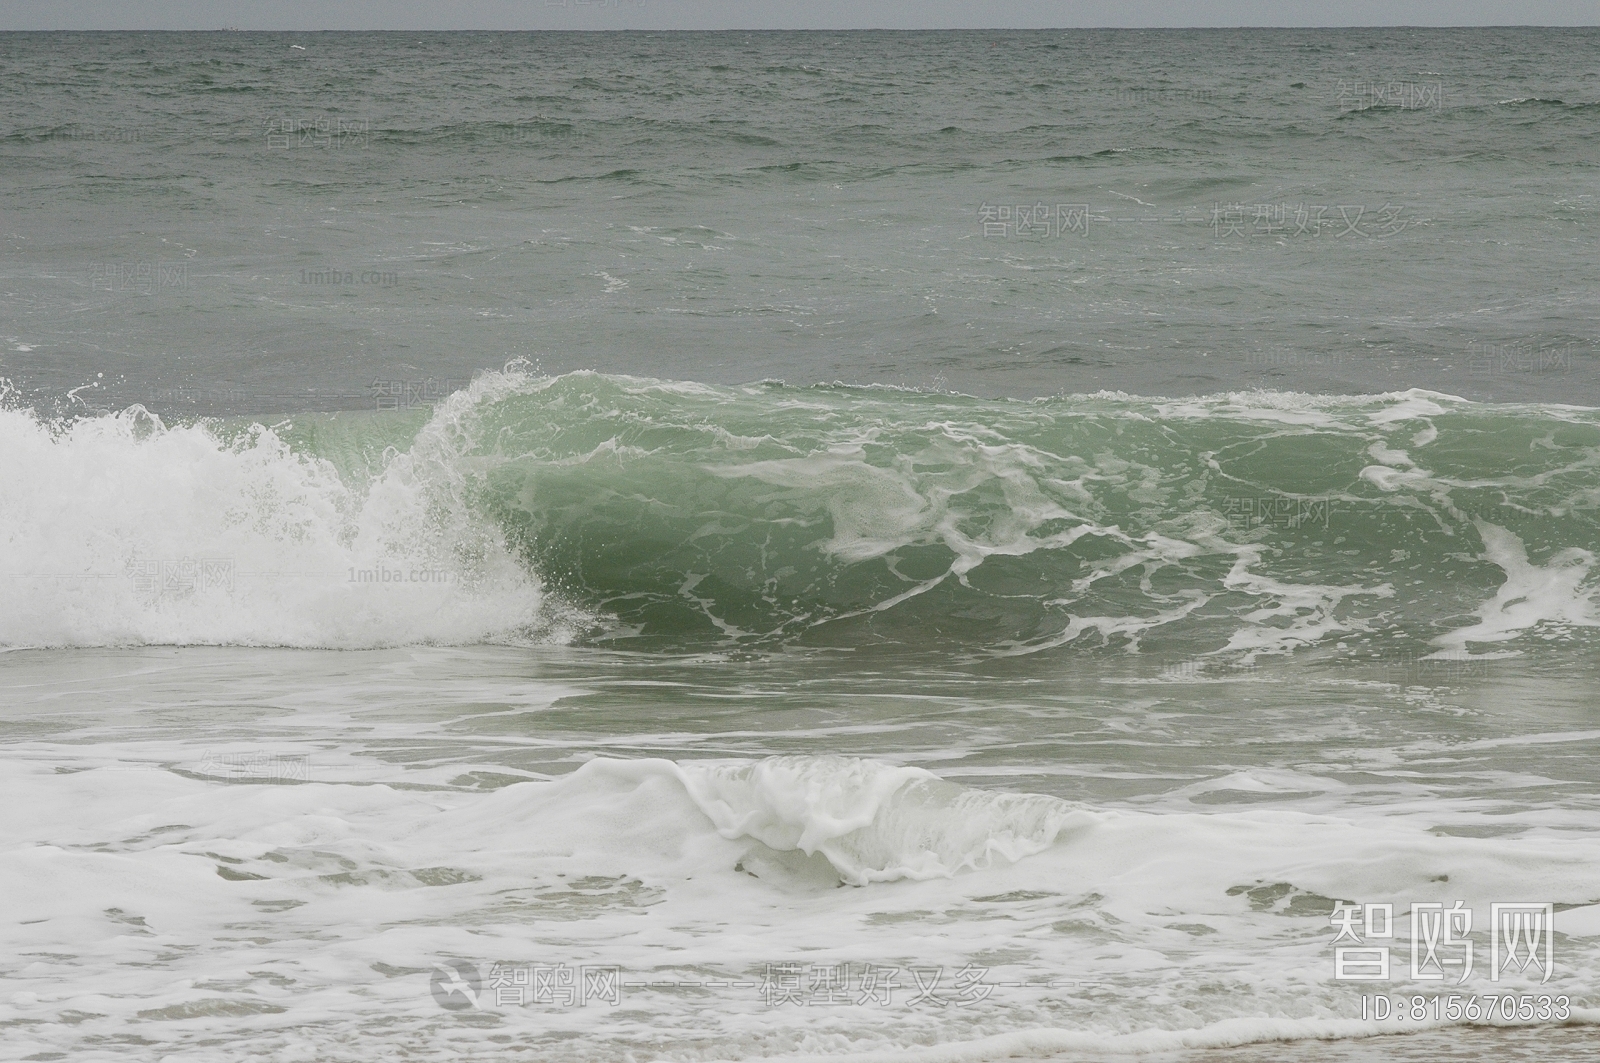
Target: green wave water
1410,523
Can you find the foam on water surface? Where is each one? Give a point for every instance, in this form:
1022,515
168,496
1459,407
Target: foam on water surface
1103,699
289,878
535,508
266,911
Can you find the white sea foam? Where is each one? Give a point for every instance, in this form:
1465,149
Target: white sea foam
1557,594
121,530
873,822
243,917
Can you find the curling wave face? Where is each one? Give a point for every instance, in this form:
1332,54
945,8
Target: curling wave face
681,515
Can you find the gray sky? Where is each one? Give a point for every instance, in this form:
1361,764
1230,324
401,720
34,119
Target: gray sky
779,14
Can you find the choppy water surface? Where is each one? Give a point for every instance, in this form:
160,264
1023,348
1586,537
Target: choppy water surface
615,547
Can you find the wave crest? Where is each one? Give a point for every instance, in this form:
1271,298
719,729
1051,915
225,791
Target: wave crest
675,514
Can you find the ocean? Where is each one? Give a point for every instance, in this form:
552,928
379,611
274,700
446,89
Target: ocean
918,547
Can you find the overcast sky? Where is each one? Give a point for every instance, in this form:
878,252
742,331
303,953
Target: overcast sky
779,14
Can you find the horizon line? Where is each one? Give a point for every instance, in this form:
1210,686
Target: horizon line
807,29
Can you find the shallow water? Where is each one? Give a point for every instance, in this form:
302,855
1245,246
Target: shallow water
270,850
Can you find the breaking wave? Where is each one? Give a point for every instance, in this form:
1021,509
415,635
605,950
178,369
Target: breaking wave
666,514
